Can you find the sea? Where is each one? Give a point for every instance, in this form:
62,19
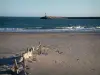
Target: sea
35,24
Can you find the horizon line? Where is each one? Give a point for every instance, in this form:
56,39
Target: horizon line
50,16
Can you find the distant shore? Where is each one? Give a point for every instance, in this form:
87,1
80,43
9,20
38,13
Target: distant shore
55,17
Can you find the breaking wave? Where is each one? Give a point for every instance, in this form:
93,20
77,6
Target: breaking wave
56,29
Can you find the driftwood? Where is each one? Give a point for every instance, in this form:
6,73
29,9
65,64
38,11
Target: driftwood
19,64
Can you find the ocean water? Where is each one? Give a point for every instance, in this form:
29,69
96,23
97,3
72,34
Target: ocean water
35,24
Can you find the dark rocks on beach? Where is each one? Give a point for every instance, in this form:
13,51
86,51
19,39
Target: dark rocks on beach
30,61
93,69
78,59
16,54
45,54
59,52
28,68
55,61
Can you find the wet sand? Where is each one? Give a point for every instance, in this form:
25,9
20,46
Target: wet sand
79,53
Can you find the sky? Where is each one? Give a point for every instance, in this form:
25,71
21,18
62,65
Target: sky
65,8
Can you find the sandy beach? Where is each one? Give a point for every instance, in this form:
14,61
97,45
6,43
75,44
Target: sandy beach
79,53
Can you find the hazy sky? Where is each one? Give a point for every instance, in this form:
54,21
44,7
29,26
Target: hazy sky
51,7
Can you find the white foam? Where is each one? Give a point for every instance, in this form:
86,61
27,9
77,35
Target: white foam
64,29
98,27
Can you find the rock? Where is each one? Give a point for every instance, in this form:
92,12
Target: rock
93,69
77,59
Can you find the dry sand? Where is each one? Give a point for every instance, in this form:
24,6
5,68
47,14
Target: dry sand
81,52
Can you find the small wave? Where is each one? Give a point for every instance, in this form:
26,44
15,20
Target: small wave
57,29
33,28
71,27
98,27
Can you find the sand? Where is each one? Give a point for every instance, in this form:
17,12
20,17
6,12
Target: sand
80,52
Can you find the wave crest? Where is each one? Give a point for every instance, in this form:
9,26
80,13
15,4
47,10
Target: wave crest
56,29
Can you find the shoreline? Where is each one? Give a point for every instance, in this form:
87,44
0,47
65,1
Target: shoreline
50,32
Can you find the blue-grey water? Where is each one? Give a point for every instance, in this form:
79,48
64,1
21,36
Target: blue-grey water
35,24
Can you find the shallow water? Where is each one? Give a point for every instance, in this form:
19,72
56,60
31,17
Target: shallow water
35,24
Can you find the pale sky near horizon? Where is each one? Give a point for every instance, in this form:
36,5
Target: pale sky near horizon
51,7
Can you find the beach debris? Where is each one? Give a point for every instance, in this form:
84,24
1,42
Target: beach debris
16,54
34,58
55,61
30,61
42,49
77,59
93,69
17,63
16,68
13,65
45,53
27,73
58,61
28,53
27,67
59,52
